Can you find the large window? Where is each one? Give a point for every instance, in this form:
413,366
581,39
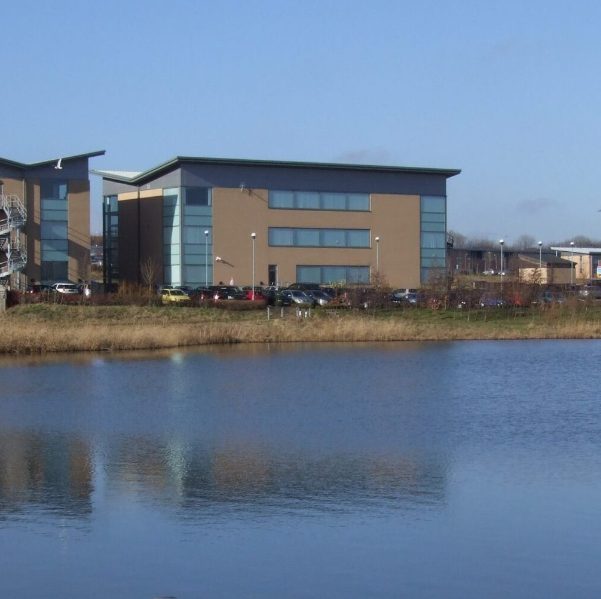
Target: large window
315,200
330,238
433,235
329,275
54,231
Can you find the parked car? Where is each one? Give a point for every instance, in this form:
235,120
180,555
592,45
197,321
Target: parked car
295,296
401,295
39,288
320,298
227,292
174,296
590,292
66,288
491,301
258,295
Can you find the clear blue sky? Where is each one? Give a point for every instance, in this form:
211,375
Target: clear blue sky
509,92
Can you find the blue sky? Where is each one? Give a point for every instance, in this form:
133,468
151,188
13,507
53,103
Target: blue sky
507,91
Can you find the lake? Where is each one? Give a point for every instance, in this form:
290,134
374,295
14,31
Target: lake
460,469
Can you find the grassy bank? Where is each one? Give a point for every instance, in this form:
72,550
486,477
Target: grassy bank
43,328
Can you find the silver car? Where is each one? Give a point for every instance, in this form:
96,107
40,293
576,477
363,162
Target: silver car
67,288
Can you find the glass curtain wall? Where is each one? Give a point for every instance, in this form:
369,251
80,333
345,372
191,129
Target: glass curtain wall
433,245
197,246
110,229
54,237
172,236
187,251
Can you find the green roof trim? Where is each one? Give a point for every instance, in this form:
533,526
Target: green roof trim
172,164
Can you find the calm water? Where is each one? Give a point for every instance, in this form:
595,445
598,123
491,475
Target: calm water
401,470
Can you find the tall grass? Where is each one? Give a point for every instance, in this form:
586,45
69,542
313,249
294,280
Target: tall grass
54,328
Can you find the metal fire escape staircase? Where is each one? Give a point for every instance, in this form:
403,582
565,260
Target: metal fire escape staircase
13,252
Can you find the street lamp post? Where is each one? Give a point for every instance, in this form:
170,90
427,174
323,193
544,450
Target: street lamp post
377,255
502,241
206,258
253,236
571,263
540,255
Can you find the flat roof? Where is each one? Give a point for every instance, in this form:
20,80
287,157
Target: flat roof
24,165
577,250
139,178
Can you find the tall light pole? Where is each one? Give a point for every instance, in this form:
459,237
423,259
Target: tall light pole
377,239
571,263
206,258
502,241
540,255
253,236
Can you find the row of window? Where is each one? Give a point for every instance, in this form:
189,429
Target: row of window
316,200
327,238
330,275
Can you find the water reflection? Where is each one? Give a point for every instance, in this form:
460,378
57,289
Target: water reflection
57,474
53,473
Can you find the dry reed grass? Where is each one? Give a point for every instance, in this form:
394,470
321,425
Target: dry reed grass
79,328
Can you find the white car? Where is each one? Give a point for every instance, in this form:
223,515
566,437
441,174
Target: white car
67,288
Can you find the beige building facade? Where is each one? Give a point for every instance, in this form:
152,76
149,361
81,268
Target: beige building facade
45,221
202,221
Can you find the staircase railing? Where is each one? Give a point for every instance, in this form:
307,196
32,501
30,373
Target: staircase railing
15,217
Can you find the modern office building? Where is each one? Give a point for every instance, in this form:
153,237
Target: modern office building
45,220
201,221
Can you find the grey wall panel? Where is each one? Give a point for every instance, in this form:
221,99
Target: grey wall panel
312,179
71,169
172,179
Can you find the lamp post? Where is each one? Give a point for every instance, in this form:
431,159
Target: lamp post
253,236
206,258
377,239
571,263
540,255
502,241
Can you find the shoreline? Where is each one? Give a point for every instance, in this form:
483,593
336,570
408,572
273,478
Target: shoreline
41,329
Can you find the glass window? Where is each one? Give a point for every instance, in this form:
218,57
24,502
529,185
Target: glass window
278,236
358,201
281,199
54,215
427,226
193,235
308,274
332,274
357,238
307,200
315,200
197,196
53,230
334,238
433,204
333,201
307,237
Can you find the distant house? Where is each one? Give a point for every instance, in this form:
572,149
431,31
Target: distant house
545,268
587,261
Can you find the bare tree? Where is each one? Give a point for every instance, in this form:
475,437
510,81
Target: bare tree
148,272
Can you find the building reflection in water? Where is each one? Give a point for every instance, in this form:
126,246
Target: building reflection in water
49,472
199,482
